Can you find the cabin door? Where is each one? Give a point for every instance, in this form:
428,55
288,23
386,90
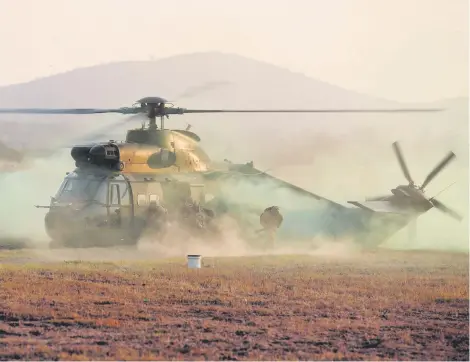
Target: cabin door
120,207
175,194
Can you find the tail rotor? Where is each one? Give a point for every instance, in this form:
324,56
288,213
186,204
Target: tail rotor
413,196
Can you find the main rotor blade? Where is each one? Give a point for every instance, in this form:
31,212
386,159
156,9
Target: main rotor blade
169,110
124,110
401,160
403,110
438,168
440,206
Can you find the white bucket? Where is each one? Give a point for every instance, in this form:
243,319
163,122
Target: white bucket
194,261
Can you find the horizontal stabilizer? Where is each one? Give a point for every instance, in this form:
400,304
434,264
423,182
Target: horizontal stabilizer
382,206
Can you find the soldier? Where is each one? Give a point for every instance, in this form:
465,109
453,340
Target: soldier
193,214
270,220
157,217
197,218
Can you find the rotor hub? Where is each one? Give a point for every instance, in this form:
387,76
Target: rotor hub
155,107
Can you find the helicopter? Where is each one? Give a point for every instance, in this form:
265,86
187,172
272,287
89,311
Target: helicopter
118,189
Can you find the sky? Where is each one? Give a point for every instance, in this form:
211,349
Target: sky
405,50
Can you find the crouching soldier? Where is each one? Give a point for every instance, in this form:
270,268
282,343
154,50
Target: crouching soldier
196,217
270,220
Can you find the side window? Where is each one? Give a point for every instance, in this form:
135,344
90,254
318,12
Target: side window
61,188
141,199
154,198
102,192
115,197
125,198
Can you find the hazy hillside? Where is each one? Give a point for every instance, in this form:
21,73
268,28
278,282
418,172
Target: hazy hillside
342,156
118,84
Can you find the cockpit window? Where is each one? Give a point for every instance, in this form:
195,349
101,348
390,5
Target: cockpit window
78,189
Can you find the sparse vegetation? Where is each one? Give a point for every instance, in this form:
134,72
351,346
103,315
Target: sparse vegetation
383,305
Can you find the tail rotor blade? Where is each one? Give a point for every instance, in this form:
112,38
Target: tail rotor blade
450,156
401,160
440,206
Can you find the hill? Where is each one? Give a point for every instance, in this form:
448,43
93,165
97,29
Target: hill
117,84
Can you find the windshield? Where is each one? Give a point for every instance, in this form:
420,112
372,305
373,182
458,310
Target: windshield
78,189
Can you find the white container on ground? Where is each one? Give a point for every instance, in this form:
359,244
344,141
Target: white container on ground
194,261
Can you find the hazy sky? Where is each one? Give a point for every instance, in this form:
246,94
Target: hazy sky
414,50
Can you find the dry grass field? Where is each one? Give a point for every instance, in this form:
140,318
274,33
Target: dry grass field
376,306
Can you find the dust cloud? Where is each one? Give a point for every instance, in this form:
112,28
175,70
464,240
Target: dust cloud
23,189
178,243
230,243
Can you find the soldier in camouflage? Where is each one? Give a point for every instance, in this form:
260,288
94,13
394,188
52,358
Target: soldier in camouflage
270,220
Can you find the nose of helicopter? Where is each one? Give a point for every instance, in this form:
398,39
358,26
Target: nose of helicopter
64,225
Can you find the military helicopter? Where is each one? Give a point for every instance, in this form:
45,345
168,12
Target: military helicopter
114,193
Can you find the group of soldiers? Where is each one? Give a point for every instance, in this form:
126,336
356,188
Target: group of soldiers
194,218
188,214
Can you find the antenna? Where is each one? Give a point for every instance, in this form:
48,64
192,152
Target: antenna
444,189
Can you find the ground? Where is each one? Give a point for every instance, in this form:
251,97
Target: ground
370,305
